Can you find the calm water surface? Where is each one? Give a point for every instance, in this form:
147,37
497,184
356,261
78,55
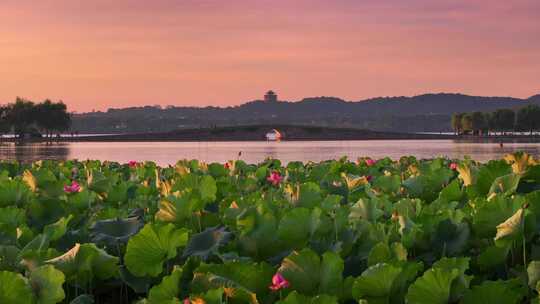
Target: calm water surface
165,153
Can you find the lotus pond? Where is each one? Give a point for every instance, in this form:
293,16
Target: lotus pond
364,231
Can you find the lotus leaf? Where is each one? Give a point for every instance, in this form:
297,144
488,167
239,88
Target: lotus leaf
84,262
152,246
15,289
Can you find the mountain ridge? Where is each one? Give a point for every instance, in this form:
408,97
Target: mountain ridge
428,112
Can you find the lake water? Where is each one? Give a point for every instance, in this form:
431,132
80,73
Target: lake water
165,153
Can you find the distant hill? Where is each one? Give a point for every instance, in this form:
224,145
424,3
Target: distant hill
422,113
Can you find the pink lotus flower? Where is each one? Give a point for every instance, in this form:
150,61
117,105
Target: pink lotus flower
187,301
453,166
275,178
369,178
370,162
227,165
73,188
132,164
278,282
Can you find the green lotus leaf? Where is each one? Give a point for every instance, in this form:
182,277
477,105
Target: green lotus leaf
82,200
57,229
37,179
9,258
296,298
533,200
82,263
461,284
310,275
217,170
176,209
504,185
208,188
533,273
257,235
245,281
365,209
13,192
388,183
427,185
114,231
382,253
151,247
492,257
507,292
302,270
37,249
409,272
375,284
168,290
118,193
201,187
296,227
15,289
98,182
433,287
486,175
47,284
206,243
461,264
324,299
309,195
138,284
331,203
450,238
451,193
492,213
83,299
331,276
532,174
213,296
12,219
45,182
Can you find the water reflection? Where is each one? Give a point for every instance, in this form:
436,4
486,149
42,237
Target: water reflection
27,152
165,153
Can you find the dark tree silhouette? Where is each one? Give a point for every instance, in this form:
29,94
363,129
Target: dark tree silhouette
456,123
467,123
21,115
25,118
52,117
479,123
528,118
503,120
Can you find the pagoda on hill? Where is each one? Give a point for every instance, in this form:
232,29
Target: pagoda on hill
270,96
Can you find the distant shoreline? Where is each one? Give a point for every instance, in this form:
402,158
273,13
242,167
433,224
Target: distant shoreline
291,133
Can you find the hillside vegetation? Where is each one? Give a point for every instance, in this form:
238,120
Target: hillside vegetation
423,113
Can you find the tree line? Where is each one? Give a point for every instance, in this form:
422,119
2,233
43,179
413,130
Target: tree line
25,118
526,119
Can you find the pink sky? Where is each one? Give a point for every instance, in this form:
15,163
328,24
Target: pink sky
101,53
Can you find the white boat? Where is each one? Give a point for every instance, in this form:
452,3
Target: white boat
273,135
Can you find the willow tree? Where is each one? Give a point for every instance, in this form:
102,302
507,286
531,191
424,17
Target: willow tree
503,120
456,123
528,118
